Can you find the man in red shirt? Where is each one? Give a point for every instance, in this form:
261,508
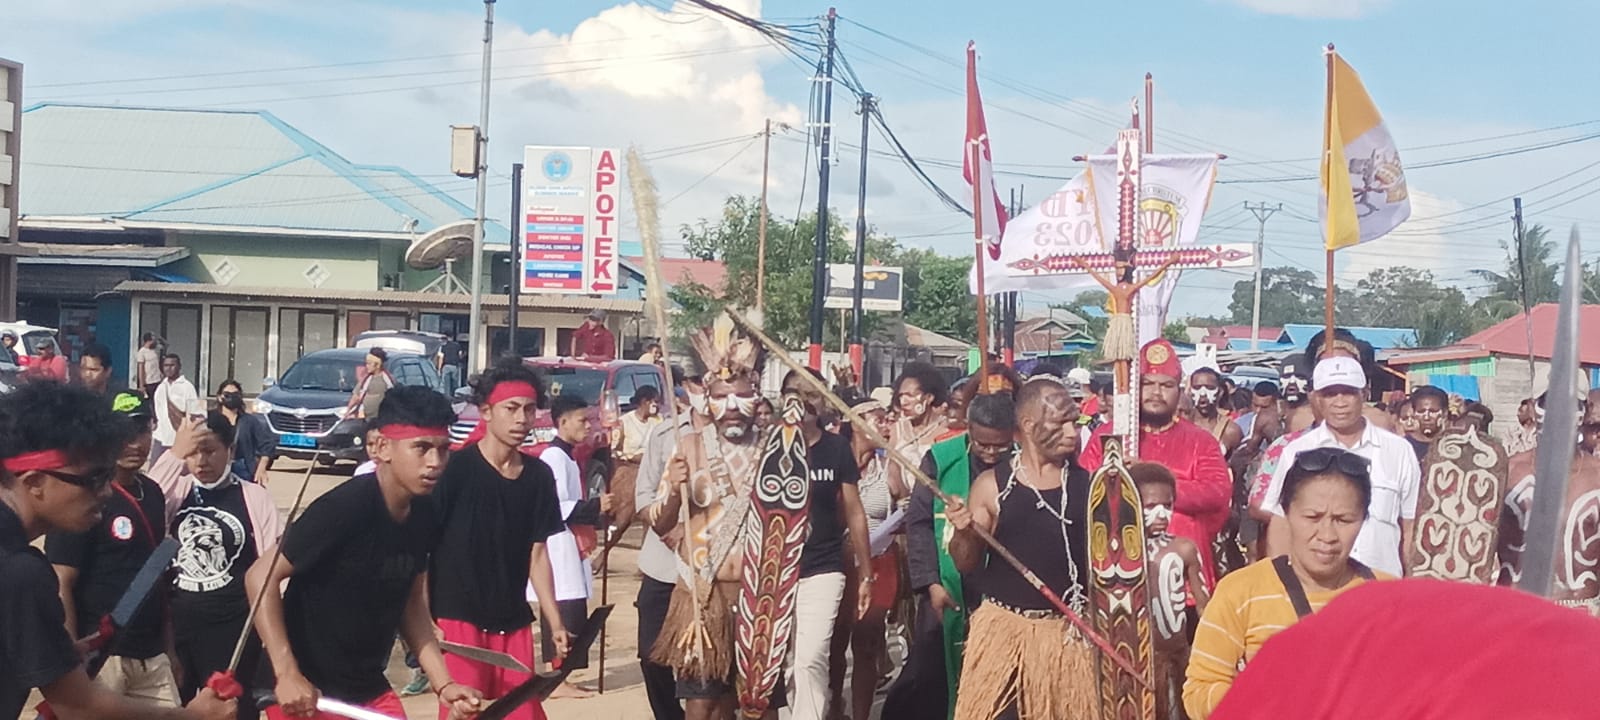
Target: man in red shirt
46,364
1205,485
592,341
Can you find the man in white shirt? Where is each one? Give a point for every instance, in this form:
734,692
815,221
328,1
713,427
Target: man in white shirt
1338,387
569,561
174,398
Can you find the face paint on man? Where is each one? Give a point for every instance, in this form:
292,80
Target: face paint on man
1203,393
732,406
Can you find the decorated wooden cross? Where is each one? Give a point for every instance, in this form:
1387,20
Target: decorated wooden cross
1133,264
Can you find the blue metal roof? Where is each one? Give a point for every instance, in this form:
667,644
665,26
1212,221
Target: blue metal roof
1266,346
175,167
1378,338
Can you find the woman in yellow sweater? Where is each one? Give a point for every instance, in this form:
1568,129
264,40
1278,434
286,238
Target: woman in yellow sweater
1325,497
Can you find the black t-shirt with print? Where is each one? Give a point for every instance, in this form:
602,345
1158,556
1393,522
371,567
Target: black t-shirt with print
479,573
354,566
35,649
216,545
832,464
107,559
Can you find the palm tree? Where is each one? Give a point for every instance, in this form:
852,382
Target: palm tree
1505,297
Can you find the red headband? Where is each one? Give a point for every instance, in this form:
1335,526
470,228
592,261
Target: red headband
410,432
513,389
36,460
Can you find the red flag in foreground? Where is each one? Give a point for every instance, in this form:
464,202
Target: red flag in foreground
1424,650
992,213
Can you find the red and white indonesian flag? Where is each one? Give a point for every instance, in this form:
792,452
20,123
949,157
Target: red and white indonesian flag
991,213
1081,218
1364,193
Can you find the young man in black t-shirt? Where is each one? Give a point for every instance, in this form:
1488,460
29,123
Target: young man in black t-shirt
835,506
96,567
497,508
355,563
57,448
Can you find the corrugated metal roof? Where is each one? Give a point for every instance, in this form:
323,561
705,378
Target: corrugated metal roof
920,337
119,255
1378,338
1510,337
378,297
177,167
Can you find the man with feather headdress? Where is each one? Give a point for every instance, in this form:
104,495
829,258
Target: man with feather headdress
707,488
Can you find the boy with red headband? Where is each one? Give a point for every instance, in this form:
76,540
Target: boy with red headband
355,563
58,446
499,508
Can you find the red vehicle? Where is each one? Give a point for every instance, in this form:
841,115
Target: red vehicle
607,387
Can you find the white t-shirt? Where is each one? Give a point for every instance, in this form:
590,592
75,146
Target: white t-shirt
1396,482
152,365
574,575
180,394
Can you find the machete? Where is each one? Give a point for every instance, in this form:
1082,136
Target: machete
1553,458
540,686
138,592
489,657
330,706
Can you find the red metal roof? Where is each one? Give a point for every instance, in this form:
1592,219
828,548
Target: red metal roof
1510,337
709,273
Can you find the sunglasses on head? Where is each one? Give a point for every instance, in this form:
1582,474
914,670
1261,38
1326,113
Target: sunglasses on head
1319,459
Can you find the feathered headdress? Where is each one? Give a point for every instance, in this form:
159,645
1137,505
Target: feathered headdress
726,353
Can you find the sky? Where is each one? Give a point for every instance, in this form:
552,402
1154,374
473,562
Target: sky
1469,83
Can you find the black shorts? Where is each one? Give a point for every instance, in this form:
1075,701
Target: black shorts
691,689
574,615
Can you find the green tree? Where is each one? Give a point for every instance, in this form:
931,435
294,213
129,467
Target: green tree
1175,331
1406,297
1539,257
1288,295
938,296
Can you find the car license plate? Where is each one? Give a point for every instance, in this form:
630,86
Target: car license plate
299,441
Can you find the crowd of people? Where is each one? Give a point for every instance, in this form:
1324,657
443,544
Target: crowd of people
1261,505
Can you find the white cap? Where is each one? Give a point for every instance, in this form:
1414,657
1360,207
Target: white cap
1338,371
1080,375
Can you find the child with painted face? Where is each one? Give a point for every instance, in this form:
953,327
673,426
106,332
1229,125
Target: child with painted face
1174,576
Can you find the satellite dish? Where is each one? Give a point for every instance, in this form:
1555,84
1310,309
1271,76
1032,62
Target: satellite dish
441,245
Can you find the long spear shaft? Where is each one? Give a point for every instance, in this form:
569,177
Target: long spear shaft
860,424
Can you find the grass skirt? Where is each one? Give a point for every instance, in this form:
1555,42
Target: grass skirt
1043,667
704,653
1122,340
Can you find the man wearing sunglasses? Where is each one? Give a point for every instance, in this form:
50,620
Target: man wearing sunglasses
1338,397
926,684
58,446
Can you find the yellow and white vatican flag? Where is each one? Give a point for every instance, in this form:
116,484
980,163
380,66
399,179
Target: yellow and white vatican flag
1364,192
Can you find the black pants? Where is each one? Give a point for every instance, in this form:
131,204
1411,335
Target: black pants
922,689
659,687
574,615
206,648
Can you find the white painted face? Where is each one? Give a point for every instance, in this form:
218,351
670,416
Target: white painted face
1203,396
1157,518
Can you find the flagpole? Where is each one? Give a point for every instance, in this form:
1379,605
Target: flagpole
975,156
1149,114
1327,129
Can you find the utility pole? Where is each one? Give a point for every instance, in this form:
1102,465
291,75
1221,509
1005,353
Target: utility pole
475,318
857,358
819,263
517,224
1522,282
1262,213
761,230
1008,332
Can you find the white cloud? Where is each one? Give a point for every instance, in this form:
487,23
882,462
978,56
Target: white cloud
1321,9
1424,242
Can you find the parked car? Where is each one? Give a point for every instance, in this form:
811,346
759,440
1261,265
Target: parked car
306,407
415,342
607,387
29,338
1248,376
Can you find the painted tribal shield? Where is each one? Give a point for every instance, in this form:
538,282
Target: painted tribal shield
772,561
1464,480
1119,597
